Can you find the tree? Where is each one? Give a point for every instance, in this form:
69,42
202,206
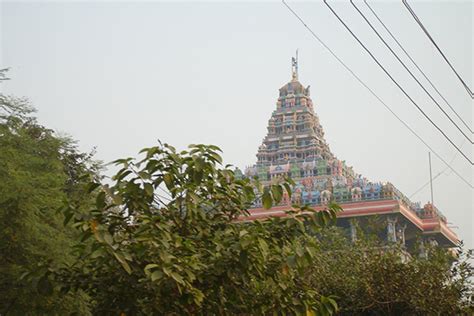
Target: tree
167,238
36,177
371,278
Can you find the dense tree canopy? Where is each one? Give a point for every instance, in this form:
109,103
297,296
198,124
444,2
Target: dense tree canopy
369,277
166,239
38,171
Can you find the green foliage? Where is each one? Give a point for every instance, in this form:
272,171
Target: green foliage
167,237
369,278
35,181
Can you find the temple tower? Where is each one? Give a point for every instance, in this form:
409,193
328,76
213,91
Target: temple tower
295,146
294,131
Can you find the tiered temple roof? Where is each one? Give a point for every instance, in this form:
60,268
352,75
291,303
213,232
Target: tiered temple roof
295,146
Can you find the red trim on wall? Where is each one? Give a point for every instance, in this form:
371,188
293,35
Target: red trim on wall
364,208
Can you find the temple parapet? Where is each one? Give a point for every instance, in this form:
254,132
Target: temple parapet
431,211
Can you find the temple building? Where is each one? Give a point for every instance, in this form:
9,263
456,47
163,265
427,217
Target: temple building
295,146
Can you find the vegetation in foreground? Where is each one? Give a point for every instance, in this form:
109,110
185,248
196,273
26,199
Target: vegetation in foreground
164,238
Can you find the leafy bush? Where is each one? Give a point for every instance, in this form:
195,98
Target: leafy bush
370,278
167,238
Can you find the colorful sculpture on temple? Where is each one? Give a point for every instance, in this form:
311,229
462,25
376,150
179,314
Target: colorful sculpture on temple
295,146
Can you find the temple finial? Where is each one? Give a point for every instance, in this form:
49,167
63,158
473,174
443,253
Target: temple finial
294,66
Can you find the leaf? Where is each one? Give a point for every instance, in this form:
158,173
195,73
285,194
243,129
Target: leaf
120,176
198,296
333,304
267,199
108,238
329,305
165,256
299,251
148,189
168,178
214,147
249,192
216,157
199,164
191,275
310,312
123,161
287,188
98,253
24,275
263,246
333,206
151,266
124,263
277,192
242,233
291,261
146,149
158,274
197,177
100,200
68,217
92,186
194,197
144,175
117,199
177,277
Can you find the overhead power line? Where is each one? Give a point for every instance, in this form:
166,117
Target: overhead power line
397,84
427,183
435,177
418,21
374,94
409,71
416,65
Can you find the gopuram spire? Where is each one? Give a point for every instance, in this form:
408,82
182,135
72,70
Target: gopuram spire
294,132
295,143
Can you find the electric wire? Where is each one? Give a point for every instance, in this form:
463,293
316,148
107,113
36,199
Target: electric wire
416,65
418,21
409,71
387,107
435,177
426,184
396,83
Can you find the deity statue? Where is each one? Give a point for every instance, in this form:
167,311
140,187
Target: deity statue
391,233
325,197
401,234
356,194
353,231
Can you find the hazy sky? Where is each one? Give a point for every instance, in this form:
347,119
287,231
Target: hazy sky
120,75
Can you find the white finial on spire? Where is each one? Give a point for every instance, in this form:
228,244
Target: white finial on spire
294,66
